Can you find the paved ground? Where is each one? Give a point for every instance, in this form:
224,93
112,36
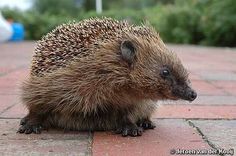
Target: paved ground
208,123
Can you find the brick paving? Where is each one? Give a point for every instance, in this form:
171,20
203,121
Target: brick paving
207,123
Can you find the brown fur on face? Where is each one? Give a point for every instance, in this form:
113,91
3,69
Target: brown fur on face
152,56
100,74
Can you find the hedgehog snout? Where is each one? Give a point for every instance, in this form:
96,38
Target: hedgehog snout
185,93
191,95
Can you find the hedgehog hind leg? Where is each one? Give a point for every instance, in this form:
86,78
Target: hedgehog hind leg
31,123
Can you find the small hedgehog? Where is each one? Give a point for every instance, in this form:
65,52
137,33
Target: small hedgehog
101,74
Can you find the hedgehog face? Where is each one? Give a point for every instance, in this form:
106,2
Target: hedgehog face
176,87
156,72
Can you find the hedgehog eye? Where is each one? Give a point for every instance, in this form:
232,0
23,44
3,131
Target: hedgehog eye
165,73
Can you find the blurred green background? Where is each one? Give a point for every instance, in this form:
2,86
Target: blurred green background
206,22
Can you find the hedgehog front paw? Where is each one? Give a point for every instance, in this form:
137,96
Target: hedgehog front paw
146,124
130,129
28,129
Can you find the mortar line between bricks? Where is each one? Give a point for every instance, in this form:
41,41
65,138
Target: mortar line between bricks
210,82
195,105
39,138
13,70
203,136
9,118
9,94
200,118
90,144
8,108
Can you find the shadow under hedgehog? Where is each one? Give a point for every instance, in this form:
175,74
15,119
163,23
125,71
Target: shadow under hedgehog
101,74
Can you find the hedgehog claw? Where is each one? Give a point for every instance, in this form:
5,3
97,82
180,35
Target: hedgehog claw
130,130
28,129
146,124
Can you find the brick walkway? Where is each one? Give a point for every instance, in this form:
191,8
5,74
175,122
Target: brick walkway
207,123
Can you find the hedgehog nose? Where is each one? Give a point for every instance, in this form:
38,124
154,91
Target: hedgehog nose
192,95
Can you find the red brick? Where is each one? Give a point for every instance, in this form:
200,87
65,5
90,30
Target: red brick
194,76
215,100
169,134
43,147
11,82
205,88
200,64
9,128
15,76
53,142
197,58
4,70
20,74
195,112
6,101
17,111
212,75
227,86
205,100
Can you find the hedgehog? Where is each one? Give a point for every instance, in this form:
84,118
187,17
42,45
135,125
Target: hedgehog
101,74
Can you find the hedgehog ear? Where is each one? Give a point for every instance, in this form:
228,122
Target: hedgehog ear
128,51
